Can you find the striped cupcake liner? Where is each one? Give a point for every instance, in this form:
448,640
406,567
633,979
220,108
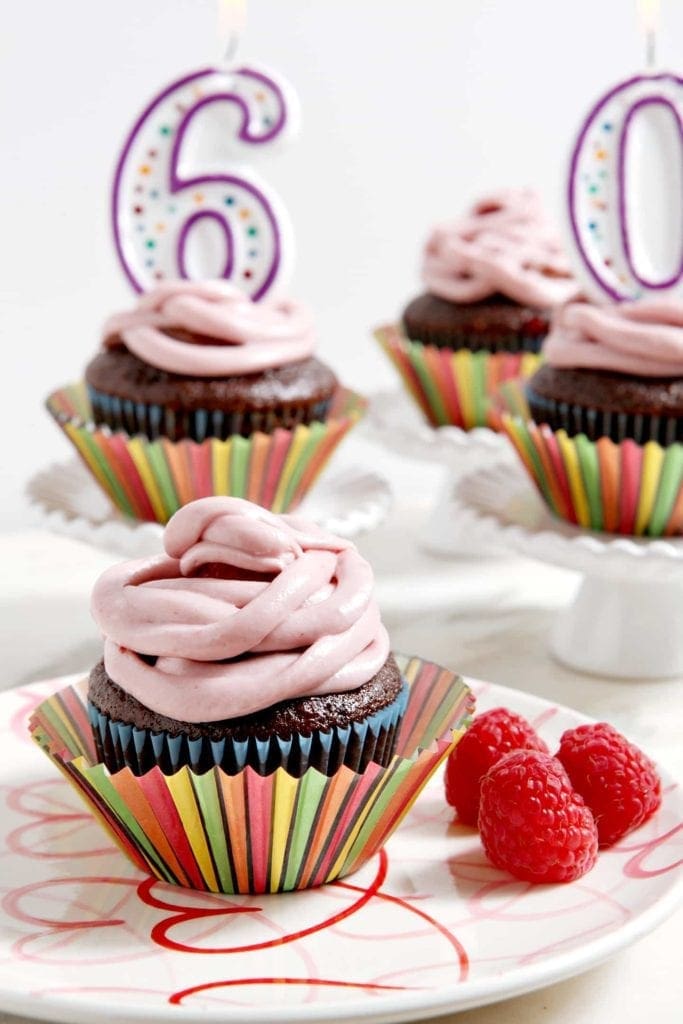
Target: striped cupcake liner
456,388
596,423
626,488
156,421
248,833
151,479
120,745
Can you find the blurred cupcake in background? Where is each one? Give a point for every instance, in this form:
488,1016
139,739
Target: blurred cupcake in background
492,280
605,441
197,391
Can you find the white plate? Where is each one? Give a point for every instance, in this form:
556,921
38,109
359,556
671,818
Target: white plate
427,927
347,501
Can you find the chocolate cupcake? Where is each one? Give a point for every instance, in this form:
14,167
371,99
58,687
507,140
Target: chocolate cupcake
492,280
200,391
200,359
604,442
254,643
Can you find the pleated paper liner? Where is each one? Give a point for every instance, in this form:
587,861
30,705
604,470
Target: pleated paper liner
247,833
156,421
626,488
575,418
456,388
373,739
150,480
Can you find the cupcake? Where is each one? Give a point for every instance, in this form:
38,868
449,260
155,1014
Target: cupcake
198,391
255,641
492,280
248,729
604,441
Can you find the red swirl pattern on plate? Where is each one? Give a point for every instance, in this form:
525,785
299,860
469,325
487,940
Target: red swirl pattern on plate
428,913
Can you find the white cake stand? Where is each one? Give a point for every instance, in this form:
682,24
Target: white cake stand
627,618
395,422
65,499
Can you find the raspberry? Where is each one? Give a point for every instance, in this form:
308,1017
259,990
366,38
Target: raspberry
531,821
618,782
491,735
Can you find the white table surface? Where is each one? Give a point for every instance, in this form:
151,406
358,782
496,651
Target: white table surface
487,618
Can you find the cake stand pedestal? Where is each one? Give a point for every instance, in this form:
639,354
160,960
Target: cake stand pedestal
626,620
393,421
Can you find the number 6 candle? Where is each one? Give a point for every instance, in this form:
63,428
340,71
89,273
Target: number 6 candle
174,218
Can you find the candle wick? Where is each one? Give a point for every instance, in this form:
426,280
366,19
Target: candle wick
230,49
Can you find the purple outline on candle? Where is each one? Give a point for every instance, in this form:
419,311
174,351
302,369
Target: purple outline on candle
176,183
185,230
585,128
647,101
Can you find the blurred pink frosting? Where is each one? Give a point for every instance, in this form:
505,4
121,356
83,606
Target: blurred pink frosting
296,618
246,336
504,244
643,338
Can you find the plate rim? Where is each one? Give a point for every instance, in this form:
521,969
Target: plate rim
389,1008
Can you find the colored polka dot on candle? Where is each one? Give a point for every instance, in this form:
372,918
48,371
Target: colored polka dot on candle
244,213
161,226
154,193
145,169
138,209
166,130
247,274
150,243
229,200
252,231
198,197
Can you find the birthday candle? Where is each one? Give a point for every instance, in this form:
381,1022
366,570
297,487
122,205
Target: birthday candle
185,203
625,189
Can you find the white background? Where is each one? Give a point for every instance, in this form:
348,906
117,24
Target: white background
411,107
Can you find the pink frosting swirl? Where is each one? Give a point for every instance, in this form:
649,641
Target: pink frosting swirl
246,336
295,617
503,245
643,338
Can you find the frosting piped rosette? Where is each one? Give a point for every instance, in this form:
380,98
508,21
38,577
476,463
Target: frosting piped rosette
638,338
212,329
247,609
503,245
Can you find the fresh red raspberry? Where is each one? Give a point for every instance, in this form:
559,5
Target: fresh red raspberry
618,782
491,735
532,823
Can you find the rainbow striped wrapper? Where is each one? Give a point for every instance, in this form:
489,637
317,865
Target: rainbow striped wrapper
151,480
456,388
624,487
247,833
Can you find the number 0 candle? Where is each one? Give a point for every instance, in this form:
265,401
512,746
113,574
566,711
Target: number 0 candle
185,200
625,190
